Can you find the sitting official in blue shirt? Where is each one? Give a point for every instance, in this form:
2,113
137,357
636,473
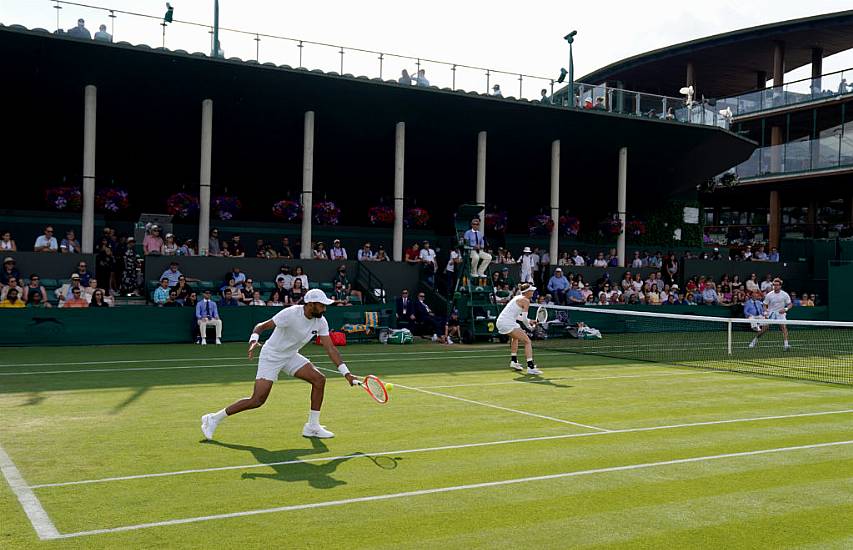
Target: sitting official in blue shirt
557,286
206,313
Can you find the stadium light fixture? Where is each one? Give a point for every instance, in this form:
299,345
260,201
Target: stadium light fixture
570,38
562,77
688,91
169,13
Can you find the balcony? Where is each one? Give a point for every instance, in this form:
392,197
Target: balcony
826,153
828,86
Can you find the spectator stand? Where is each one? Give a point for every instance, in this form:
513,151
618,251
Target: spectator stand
473,295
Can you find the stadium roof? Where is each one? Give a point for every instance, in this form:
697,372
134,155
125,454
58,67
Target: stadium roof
727,64
149,109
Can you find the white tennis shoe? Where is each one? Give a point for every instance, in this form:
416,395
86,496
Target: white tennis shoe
515,366
316,431
208,425
533,370
753,343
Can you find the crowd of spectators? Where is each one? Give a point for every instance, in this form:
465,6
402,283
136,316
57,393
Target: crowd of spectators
80,31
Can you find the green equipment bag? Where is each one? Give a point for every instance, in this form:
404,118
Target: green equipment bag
400,336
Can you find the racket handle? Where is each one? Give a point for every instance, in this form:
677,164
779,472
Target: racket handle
356,382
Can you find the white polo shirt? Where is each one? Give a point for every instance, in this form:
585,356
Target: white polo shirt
776,302
292,331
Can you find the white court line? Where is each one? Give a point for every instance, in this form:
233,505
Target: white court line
513,481
490,405
120,361
441,448
571,379
29,501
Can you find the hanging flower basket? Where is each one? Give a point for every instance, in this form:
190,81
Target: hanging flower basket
326,213
416,217
111,199
182,205
225,207
570,225
68,199
635,228
381,215
540,225
287,210
496,222
612,226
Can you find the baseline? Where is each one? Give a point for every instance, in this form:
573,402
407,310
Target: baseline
35,512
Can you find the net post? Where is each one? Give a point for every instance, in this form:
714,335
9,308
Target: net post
729,335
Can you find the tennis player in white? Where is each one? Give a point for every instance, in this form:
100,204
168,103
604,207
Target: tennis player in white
292,327
513,314
777,303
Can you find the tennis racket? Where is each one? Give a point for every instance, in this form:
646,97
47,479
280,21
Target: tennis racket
541,315
374,387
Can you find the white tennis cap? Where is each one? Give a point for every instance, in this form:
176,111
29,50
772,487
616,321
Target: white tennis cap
317,295
531,288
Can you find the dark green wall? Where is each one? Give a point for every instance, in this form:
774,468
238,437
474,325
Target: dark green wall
50,266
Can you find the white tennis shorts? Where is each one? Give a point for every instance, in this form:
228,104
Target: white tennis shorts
506,328
268,369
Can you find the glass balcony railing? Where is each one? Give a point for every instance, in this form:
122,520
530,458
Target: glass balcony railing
136,28
825,153
800,91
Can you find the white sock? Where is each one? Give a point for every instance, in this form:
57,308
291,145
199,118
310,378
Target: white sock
754,341
218,416
314,418
786,343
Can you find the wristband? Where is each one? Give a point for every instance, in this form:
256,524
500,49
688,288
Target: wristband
342,368
254,337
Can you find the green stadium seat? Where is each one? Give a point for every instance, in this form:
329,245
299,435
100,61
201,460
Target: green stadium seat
355,300
206,285
326,287
266,286
50,284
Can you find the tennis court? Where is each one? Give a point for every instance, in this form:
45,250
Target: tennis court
101,447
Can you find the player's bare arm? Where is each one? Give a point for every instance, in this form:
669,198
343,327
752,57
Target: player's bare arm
335,356
254,339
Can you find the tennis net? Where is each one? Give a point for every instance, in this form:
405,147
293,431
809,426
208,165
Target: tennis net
818,350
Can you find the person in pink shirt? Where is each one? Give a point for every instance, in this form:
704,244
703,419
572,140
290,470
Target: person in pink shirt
153,243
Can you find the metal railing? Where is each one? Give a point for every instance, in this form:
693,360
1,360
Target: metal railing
139,28
792,93
824,153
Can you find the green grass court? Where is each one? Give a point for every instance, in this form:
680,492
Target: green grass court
599,452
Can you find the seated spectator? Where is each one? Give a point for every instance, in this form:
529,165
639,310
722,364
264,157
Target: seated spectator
12,299
420,79
46,242
284,277
9,270
637,262
33,286
774,255
767,284
575,295
276,299
235,249
83,272
558,286
76,299
173,274
381,256
6,242
161,293
285,251
80,31
689,299
297,293
213,246
187,249
319,252
228,299
752,283
260,251
170,246
90,289
98,299
13,285
299,274
726,295
337,252
207,313
427,318
36,300
69,244
405,79
102,35
172,300
412,255
341,277
709,295
600,260
794,300
366,254
231,287
760,255
248,292
256,299
238,276
613,258
65,292
653,296
152,245
340,295
182,289
808,300
405,310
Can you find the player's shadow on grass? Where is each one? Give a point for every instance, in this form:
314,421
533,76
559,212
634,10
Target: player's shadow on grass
539,381
317,474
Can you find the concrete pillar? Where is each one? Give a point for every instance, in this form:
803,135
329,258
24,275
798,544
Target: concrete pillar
481,176
90,116
620,97
399,165
817,70
307,183
760,80
554,247
776,152
622,199
204,176
775,218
